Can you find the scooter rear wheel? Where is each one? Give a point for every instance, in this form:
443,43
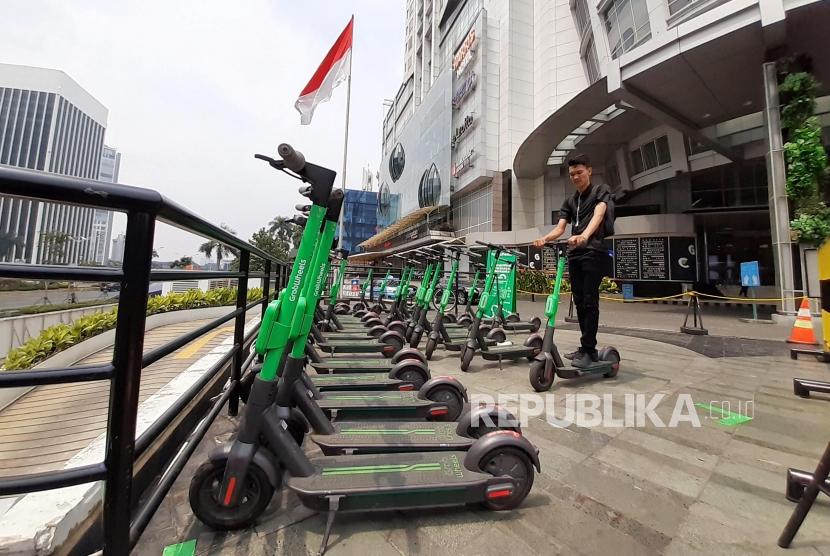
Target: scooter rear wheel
449,396
613,356
514,463
539,378
204,497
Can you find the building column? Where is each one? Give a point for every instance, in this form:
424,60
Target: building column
779,208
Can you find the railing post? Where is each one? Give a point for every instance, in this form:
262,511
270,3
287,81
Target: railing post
239,330
124,388
266,289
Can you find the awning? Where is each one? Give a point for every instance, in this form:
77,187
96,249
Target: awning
432,238
388,233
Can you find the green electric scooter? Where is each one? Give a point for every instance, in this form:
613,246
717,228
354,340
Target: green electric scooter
235,486
547,363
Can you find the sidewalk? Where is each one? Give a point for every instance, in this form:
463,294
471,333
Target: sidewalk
712,489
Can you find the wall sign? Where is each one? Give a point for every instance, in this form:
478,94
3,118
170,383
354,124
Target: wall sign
465,52
463,165
467,86
459,132
655,258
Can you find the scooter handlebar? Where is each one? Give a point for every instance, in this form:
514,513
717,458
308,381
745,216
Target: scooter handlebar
291,159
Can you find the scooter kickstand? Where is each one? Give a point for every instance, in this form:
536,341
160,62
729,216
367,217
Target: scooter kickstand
334,505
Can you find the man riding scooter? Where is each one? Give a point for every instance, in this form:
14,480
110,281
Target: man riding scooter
591,215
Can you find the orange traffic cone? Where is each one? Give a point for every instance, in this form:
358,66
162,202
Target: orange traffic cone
803,328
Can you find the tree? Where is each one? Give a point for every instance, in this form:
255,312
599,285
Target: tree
214,246
184,262
288,233
271,244
54,246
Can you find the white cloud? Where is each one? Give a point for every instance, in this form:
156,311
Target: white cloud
195,87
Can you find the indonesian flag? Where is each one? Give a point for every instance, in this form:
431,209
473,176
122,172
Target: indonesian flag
332,71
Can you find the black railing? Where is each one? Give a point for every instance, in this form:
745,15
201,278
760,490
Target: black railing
129,503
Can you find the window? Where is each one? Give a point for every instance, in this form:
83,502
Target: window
429,190
591,62
473,212
583,20
627,24
729,186
651,155
396,162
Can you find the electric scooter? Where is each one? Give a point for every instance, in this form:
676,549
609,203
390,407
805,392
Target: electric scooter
235,486
477,342
548,364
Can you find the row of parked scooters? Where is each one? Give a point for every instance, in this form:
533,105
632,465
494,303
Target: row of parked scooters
393,437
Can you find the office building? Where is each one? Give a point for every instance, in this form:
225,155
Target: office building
48,123
102,219
667,97
117,255
360,221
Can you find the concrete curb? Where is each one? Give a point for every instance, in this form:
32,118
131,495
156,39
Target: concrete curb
69,357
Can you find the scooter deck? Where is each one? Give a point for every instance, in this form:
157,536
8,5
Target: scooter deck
376,405
493,353
363,381
344,365
384,481
350,336
599,367
345,346
384,437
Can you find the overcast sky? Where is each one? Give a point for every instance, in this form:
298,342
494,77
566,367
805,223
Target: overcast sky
195,87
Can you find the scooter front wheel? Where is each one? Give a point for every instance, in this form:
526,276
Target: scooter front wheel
429,349
540,378
204,496
467,358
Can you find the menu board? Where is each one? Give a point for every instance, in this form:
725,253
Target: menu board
654,258
627,258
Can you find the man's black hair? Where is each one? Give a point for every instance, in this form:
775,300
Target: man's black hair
579,160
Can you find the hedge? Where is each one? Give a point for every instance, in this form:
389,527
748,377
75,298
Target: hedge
61,336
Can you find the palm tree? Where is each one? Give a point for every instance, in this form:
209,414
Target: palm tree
214,246
184,262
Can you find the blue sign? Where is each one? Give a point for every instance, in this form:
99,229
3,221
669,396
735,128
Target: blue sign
628,291
750,275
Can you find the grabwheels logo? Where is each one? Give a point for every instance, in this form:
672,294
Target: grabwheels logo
613,411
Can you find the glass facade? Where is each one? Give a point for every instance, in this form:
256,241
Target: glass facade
473,212
731,185
627,24
360,218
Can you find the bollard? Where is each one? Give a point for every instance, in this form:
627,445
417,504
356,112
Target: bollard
571,317
694,307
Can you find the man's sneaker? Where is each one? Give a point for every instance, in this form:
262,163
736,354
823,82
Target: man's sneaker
573,354
585,360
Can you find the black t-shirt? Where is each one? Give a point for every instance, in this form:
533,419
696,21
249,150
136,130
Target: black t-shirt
578,210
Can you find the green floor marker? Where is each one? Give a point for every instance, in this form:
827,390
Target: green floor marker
182,549
730,419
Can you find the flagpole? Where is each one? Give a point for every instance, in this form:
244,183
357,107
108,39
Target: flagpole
346,143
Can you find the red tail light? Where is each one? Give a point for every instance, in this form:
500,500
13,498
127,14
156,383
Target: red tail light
499,491
406,387
437,411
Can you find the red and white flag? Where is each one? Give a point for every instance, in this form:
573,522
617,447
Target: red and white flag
333,70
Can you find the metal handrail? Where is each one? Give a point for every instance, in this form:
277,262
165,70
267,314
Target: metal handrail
144,207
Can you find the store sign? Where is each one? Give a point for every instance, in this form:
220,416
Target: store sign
467,86
465,126
465,52
463,165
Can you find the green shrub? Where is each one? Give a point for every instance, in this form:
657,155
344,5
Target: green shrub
61,336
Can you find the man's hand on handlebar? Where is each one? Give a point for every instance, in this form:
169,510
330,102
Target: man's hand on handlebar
577,241
540,242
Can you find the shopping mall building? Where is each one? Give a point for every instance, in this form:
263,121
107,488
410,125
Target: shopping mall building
668,98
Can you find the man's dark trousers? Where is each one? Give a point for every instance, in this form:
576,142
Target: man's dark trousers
586,268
